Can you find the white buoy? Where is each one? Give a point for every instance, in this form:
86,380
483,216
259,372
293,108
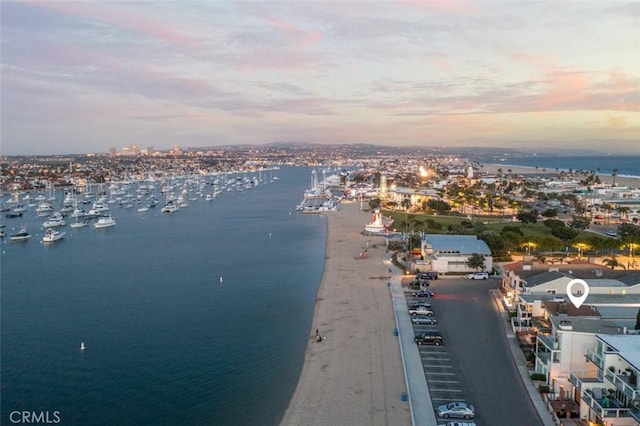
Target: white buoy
82,347
220,279
269,234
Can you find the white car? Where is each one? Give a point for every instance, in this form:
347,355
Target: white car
478,276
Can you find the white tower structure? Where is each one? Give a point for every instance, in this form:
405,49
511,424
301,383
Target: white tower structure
470,172
383,186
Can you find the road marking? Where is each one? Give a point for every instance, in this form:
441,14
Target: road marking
443,381
444,390
438,366
440,374
444,399
435,358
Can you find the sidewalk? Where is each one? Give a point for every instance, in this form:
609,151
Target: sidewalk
518,359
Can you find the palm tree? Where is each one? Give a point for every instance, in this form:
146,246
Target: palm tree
614,173
613,263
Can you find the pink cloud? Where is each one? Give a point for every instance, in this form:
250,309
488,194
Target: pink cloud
442,6
102,12
564,88
265,59
294,34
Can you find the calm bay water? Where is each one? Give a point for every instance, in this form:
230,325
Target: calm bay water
167,341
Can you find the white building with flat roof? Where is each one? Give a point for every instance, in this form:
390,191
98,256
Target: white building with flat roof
450,253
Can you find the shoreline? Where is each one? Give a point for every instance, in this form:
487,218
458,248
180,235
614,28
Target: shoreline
620,180
355,375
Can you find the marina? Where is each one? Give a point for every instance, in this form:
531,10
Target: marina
141,292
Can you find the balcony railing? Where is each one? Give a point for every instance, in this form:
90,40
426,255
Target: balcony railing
614,408
635,413
548,341
622,383
543,356
595,358
580,382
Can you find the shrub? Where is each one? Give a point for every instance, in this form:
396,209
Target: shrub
539,377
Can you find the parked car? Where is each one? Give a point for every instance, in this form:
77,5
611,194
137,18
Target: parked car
612,233
422,293
460,424
427,275
420,281
478,276
421,310
432,338
423,319
415,305
457,409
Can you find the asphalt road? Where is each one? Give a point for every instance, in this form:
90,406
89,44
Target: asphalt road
473,333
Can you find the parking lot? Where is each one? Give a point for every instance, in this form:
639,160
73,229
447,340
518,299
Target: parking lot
445,379
473,363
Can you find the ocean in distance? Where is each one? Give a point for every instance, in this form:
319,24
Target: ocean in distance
627,165
199,317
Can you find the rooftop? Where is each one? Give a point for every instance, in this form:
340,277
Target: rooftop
563,308
585,325
599,300
464,244
627,345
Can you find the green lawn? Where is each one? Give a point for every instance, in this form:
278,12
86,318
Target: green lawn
418,223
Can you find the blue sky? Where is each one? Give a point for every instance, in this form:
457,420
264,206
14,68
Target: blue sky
83,76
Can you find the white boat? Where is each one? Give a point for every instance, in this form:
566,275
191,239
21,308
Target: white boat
55,220
104,222
143,209
100,206
52,235
44,207
377,224
21,235
170,208
78,224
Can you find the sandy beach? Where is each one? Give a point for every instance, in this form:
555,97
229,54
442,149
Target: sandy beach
532,171
355,375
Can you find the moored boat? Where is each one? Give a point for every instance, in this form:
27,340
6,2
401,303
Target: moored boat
104,222
56,219
52,235
79,224
170,207
21,235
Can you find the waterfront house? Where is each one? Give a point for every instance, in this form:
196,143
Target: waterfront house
607,389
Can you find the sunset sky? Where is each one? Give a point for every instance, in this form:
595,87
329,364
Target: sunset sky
83,76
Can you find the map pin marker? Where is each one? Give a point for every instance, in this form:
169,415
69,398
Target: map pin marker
577,300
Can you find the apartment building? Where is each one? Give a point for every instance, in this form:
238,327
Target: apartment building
607,388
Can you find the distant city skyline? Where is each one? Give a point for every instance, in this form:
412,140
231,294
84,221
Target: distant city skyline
81,77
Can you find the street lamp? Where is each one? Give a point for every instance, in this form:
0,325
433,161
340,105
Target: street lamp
580,246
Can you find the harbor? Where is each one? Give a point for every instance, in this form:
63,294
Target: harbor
165,306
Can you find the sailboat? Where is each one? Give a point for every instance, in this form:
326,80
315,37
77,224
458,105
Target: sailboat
77,213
